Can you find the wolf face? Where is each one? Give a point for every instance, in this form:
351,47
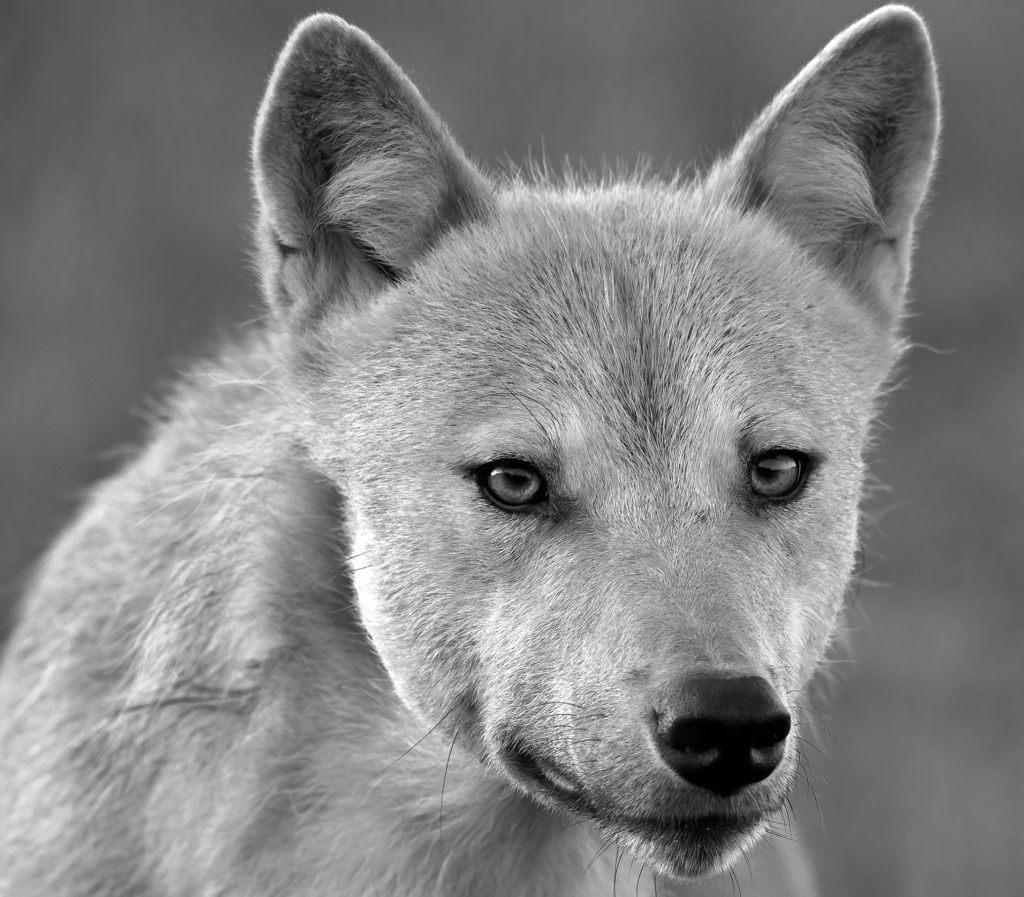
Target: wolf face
600,442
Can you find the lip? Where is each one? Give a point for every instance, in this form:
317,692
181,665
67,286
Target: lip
699,828
537,774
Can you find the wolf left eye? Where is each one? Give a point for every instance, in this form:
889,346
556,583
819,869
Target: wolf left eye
778,474
511,484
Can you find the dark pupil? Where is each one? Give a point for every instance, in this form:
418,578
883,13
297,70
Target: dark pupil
776,474
513,485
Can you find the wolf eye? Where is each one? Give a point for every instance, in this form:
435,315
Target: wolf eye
778,474
511,484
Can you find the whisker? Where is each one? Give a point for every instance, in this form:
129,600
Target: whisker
411,748
440,807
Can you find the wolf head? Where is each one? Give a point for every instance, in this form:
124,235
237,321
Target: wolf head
601,443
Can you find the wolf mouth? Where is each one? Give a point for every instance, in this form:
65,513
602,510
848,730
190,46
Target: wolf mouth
708,836
536,774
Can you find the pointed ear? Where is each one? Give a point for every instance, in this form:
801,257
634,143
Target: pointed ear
842,157
355,175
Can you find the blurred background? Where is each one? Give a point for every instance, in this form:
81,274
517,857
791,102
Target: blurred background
124,202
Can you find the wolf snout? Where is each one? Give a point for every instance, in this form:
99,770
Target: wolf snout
720,731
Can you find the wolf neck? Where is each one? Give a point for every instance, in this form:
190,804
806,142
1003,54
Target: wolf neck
442,822
480,839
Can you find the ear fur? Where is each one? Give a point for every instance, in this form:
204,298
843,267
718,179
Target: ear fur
842,157
356,177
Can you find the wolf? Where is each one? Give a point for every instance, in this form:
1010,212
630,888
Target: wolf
497,560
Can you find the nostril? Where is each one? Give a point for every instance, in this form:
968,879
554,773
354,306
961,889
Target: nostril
771,732
722,733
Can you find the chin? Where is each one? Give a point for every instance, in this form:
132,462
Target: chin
686,849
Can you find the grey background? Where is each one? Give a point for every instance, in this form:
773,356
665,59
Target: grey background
123,252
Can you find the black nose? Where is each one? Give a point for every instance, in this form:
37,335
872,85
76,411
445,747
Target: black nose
720,732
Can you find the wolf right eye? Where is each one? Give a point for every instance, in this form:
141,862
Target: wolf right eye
511,485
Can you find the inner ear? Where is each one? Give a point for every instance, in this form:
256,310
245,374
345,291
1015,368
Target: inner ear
843,156
356,177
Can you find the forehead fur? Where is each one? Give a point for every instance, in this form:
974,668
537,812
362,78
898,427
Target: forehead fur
646,295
